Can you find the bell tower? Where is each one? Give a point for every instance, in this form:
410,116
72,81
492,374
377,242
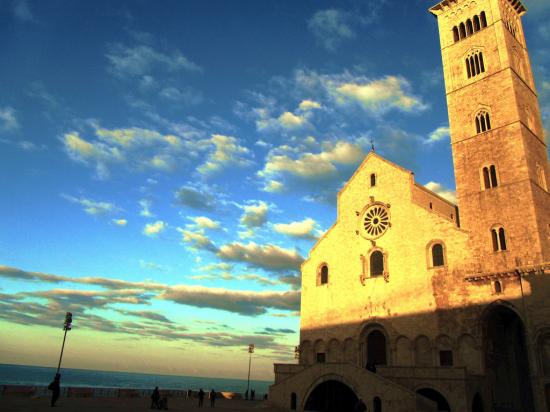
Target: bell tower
498,144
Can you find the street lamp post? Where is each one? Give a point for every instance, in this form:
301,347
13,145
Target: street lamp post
250,352
66,328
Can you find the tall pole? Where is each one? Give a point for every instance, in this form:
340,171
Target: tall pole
250,352
66,328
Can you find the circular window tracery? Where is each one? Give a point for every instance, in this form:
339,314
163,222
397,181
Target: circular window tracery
376,220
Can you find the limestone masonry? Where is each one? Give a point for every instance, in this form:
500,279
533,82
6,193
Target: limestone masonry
412,303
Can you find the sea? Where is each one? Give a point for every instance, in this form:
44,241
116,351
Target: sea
42,376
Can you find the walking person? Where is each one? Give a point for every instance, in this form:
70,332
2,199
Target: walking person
212,396
201,397
155,397
55,387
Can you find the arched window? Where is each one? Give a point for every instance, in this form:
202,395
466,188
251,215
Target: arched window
456,36
376,348
483,20
372,180
323,274
377,404
498,287
493,175
468,69
476,24
499,239
376,263
541,177
475,64
486,178
469,27
437,255
483,122
462,30
293,401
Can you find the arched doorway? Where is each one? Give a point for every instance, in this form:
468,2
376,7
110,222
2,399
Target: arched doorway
293,401
331,396
477,403
506,363
376,348
432,394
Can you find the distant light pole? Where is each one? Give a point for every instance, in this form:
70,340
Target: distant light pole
66,328
250,352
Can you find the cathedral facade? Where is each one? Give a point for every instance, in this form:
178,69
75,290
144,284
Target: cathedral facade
413,303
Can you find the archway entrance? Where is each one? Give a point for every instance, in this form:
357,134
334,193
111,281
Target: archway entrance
331,396
433,395
477,403
506,362
376,348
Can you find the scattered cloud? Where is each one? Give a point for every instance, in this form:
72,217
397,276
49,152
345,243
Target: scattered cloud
195,198
204,222
331,27
442,191
246,303
441,133
145,205
93,207
140,60
306,229
120,222
309,105
185,95
291,121
268,257
154,229
22,11
273,186
226,152
197,240
254,215
8,121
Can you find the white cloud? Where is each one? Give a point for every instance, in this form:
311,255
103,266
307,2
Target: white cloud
273,186
254,215
379,96
309,105
197,240
195,198
8,121
204,222
306,229
141,60
441,133
291,121
145,205
185,95
227,152
153,229
269,257
331,27
93,207
120,222
442,191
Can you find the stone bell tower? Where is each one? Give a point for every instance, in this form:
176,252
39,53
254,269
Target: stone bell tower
498,144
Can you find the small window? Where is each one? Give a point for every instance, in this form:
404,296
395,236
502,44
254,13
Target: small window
483,20
446,358
498,287
372,180
469,27
321,357
476,24
376,263
483,122
431,205
475,65
377,404
498,238
462,30
456,37
323,274
293,401
437,255
489,177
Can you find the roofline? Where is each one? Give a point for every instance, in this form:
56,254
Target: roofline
431,192
438,8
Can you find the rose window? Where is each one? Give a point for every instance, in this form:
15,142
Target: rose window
376,220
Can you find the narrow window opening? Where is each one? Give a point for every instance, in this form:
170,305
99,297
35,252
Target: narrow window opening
437,255
472,66
476,23
488,121
483,20
486,180
493,172
372,180
482,122
462,31
469,27
293,401
376,263
431,205
481,63
377,404
478,126
494,237
478,67
324,275
498,287
502,239
446,358
321,357
468,68
456,37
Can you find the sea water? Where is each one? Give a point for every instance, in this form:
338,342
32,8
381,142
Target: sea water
42,376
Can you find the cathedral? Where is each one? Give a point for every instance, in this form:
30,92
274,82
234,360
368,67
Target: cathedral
412,303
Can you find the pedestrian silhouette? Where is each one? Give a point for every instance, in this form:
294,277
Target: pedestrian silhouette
212,396
252,394
155,397
201,397
55,387
246,395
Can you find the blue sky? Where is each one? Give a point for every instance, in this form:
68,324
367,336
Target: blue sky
166,169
